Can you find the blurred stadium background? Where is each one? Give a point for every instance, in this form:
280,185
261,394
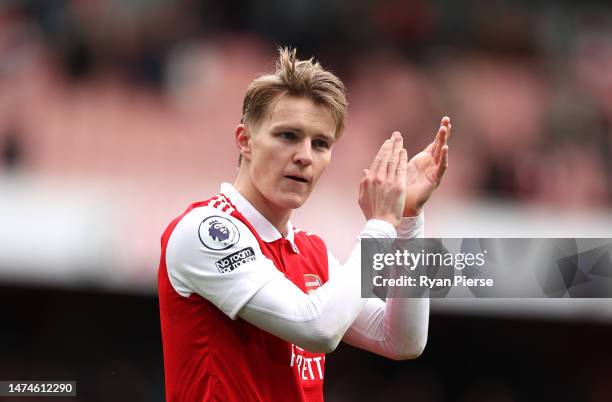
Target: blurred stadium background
115,115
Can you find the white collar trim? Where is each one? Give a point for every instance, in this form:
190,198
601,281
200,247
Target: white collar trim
264,228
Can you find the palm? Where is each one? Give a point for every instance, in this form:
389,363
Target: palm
425,171
421,182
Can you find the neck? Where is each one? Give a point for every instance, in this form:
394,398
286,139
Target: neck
278,217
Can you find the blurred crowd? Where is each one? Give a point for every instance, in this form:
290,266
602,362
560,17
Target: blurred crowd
152,88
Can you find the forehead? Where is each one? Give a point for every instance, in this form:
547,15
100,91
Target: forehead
301,113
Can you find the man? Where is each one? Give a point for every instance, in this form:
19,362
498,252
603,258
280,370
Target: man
249,305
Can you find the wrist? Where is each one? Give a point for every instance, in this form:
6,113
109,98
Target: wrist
391,220
379,228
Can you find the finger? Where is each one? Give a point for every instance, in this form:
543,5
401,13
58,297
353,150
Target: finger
385,156
443,162
362,183
433,146
402,167
430,148
440,142
446,121
378,157
436,148
398,145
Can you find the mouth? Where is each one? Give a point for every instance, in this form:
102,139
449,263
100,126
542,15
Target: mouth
297,178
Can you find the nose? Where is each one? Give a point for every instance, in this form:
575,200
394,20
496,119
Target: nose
303,154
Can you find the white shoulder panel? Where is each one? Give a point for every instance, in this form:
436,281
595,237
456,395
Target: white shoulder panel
215,255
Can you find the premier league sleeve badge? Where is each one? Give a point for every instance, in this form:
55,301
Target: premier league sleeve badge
218,233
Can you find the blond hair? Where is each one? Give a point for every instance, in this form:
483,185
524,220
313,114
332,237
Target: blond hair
302,78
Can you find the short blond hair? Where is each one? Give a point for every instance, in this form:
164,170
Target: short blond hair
302,78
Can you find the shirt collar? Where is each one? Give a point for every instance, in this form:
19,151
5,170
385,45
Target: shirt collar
264,228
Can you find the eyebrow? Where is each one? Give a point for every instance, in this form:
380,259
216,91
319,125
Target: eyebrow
289,127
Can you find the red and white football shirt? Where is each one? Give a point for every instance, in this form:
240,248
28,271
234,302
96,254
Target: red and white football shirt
213,260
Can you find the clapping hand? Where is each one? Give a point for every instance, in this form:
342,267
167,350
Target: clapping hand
425,170
382,190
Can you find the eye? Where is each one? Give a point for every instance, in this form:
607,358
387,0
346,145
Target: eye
288,135
320,144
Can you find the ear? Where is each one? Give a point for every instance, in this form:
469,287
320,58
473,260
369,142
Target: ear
243,141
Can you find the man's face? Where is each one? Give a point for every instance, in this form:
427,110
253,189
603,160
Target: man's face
288,151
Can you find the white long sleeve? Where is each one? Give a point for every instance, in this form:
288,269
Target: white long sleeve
398,327
315,321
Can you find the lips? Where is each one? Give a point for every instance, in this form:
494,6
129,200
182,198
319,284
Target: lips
297,178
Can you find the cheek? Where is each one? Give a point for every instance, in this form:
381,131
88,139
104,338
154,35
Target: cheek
323,163
258,157
263,170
